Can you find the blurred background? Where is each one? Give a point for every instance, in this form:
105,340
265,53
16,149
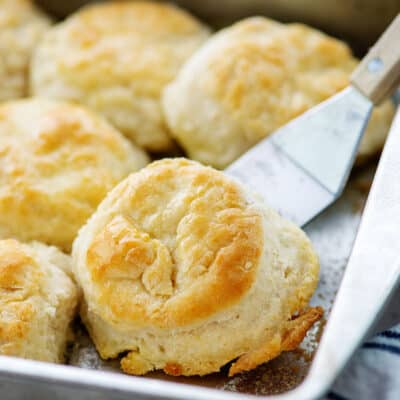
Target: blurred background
359,22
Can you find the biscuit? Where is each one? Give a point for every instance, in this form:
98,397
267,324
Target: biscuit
21,27
252,78
57,162
176,258
116,58
38,299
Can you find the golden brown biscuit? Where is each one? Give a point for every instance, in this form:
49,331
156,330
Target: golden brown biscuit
116,58
21,27
57,162
176,258
252,78
38,299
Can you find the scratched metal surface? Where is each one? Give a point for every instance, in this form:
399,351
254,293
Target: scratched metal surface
332,234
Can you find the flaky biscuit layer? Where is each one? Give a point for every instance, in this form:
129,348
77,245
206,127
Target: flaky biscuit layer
177,258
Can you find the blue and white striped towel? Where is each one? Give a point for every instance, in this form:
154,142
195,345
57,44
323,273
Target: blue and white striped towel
374,371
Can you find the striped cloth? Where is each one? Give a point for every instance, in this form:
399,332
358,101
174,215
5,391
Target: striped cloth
374,371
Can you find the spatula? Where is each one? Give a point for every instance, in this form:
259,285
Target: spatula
372,274
303,167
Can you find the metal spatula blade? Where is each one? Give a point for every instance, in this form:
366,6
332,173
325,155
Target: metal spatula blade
302,168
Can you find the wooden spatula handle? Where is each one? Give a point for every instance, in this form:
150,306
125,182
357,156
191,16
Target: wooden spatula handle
379,72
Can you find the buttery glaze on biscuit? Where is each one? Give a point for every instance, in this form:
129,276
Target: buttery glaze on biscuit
21,27
116,58
250,79
38,299
176,258
57,162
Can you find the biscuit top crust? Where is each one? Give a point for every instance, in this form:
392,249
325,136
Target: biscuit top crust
285,69
171,245
57,162
19,282
248,80
116,57
139,45
161,19
19,273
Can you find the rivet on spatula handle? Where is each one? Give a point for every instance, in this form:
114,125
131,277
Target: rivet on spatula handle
379,72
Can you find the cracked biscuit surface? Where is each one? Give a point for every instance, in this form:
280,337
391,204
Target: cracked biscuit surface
176,258
21,27
38,299
57,162
116,58
250,79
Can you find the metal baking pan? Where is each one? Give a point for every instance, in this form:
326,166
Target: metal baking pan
88,377
91,378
